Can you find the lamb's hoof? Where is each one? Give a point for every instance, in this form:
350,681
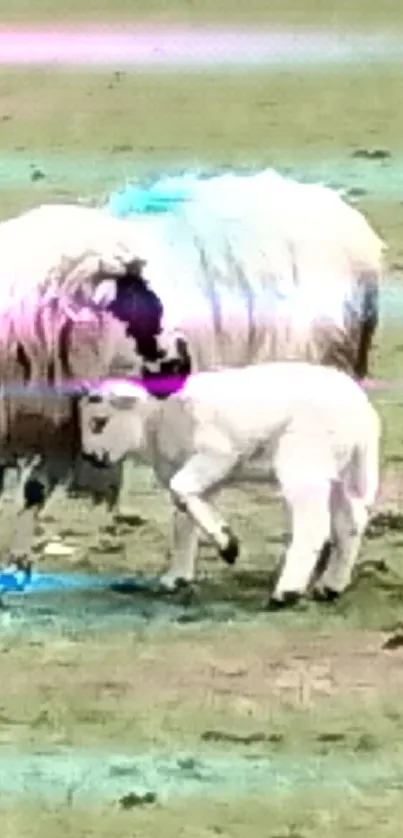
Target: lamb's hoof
179,591
289,599
326,594
230,553
168,584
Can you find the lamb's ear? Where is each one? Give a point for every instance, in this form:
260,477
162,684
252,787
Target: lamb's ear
105,293
121,388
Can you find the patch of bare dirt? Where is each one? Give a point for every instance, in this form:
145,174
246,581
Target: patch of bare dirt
247,665
391,490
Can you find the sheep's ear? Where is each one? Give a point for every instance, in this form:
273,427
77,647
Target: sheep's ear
77,313
105,293
136,267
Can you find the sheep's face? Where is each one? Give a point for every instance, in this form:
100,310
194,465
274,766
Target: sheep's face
169,373
112,423
95,347
124,329
163,356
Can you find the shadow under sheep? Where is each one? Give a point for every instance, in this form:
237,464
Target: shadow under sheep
222,595
245,594
375,598
383,522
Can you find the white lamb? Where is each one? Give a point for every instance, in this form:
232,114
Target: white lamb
310,429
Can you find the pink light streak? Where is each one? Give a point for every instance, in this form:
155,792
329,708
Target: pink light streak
178,46
161,385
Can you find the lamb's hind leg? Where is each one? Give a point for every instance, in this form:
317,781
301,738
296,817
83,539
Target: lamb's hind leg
309,507
349,520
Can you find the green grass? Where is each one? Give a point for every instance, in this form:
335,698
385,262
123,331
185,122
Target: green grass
334,816
89,132
164,691
335,13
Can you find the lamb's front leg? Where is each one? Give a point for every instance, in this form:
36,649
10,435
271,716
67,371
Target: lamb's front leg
189,487
124,507
183,553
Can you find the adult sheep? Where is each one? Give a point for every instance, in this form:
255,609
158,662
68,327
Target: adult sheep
308,428
257,267
286,268
57,263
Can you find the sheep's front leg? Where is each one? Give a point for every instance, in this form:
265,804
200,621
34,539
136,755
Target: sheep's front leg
35,492
185,543
199,477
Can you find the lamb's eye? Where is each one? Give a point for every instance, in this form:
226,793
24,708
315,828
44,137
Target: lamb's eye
97,424
94,399
123,402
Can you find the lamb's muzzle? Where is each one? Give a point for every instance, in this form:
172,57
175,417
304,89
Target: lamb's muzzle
100,461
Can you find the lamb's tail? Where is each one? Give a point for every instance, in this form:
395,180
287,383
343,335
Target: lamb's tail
364,466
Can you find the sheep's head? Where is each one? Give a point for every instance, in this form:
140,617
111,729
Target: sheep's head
164,357
120,331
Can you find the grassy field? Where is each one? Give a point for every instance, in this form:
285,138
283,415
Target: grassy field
361,14
285,690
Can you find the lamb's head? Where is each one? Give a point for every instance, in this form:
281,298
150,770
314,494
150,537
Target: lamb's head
113,420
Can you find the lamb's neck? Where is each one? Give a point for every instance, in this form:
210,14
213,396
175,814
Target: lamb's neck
167,436
152,412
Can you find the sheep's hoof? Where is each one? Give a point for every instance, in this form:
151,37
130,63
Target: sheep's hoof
289,599
325,594
230,553
128,516
22,563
